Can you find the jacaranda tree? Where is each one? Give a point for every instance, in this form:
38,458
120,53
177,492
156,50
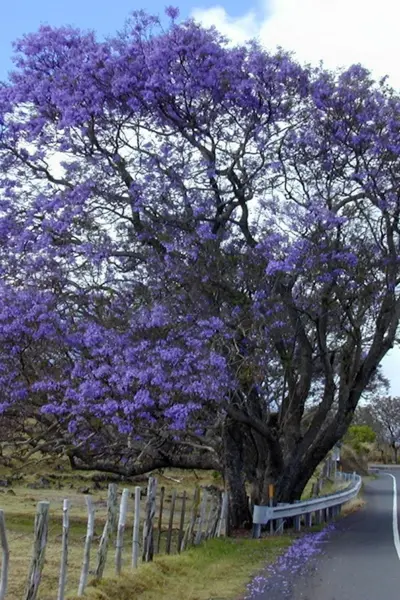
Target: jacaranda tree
199,251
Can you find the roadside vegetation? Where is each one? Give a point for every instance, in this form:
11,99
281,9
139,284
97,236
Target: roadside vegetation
219,570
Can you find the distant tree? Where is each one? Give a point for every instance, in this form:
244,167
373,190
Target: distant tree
364,415
359,435
386,411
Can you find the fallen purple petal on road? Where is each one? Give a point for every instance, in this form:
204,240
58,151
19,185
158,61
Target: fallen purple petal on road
295,559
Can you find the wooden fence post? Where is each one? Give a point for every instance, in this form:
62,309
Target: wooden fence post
88,544
121,529
209,517
136,525
64,551
212,516
202,516
148,529
5,556
193,514
38,552
108,530
170,523
223,515
159,524
182,521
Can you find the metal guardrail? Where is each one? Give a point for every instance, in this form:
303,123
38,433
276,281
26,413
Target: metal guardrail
331,504
382,466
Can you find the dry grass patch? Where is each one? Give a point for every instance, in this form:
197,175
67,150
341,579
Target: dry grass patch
19,521
358,503
353,506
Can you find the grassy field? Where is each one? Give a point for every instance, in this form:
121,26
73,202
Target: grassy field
19,504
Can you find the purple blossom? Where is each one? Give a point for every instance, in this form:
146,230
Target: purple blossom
290,565
172,12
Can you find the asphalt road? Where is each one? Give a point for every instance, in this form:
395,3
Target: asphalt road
359,559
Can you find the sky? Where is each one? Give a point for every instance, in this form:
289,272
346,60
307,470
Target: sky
338,32
105,17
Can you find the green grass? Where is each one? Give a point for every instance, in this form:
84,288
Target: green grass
217,570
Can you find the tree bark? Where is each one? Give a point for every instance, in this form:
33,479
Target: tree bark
234,475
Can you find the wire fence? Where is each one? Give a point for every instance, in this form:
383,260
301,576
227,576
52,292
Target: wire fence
135,527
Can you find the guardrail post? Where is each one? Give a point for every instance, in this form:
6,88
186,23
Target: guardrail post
297,523
308,519
327,515
279,525
256,531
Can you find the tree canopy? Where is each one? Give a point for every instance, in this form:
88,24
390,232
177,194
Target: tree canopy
199,243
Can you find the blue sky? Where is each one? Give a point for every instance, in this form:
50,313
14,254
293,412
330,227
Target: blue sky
105,17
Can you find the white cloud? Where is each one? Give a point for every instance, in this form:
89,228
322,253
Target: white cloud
339,32
237,29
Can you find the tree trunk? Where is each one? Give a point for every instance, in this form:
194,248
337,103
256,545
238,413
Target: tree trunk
263,467
395,452
290,485
301,464
239,511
